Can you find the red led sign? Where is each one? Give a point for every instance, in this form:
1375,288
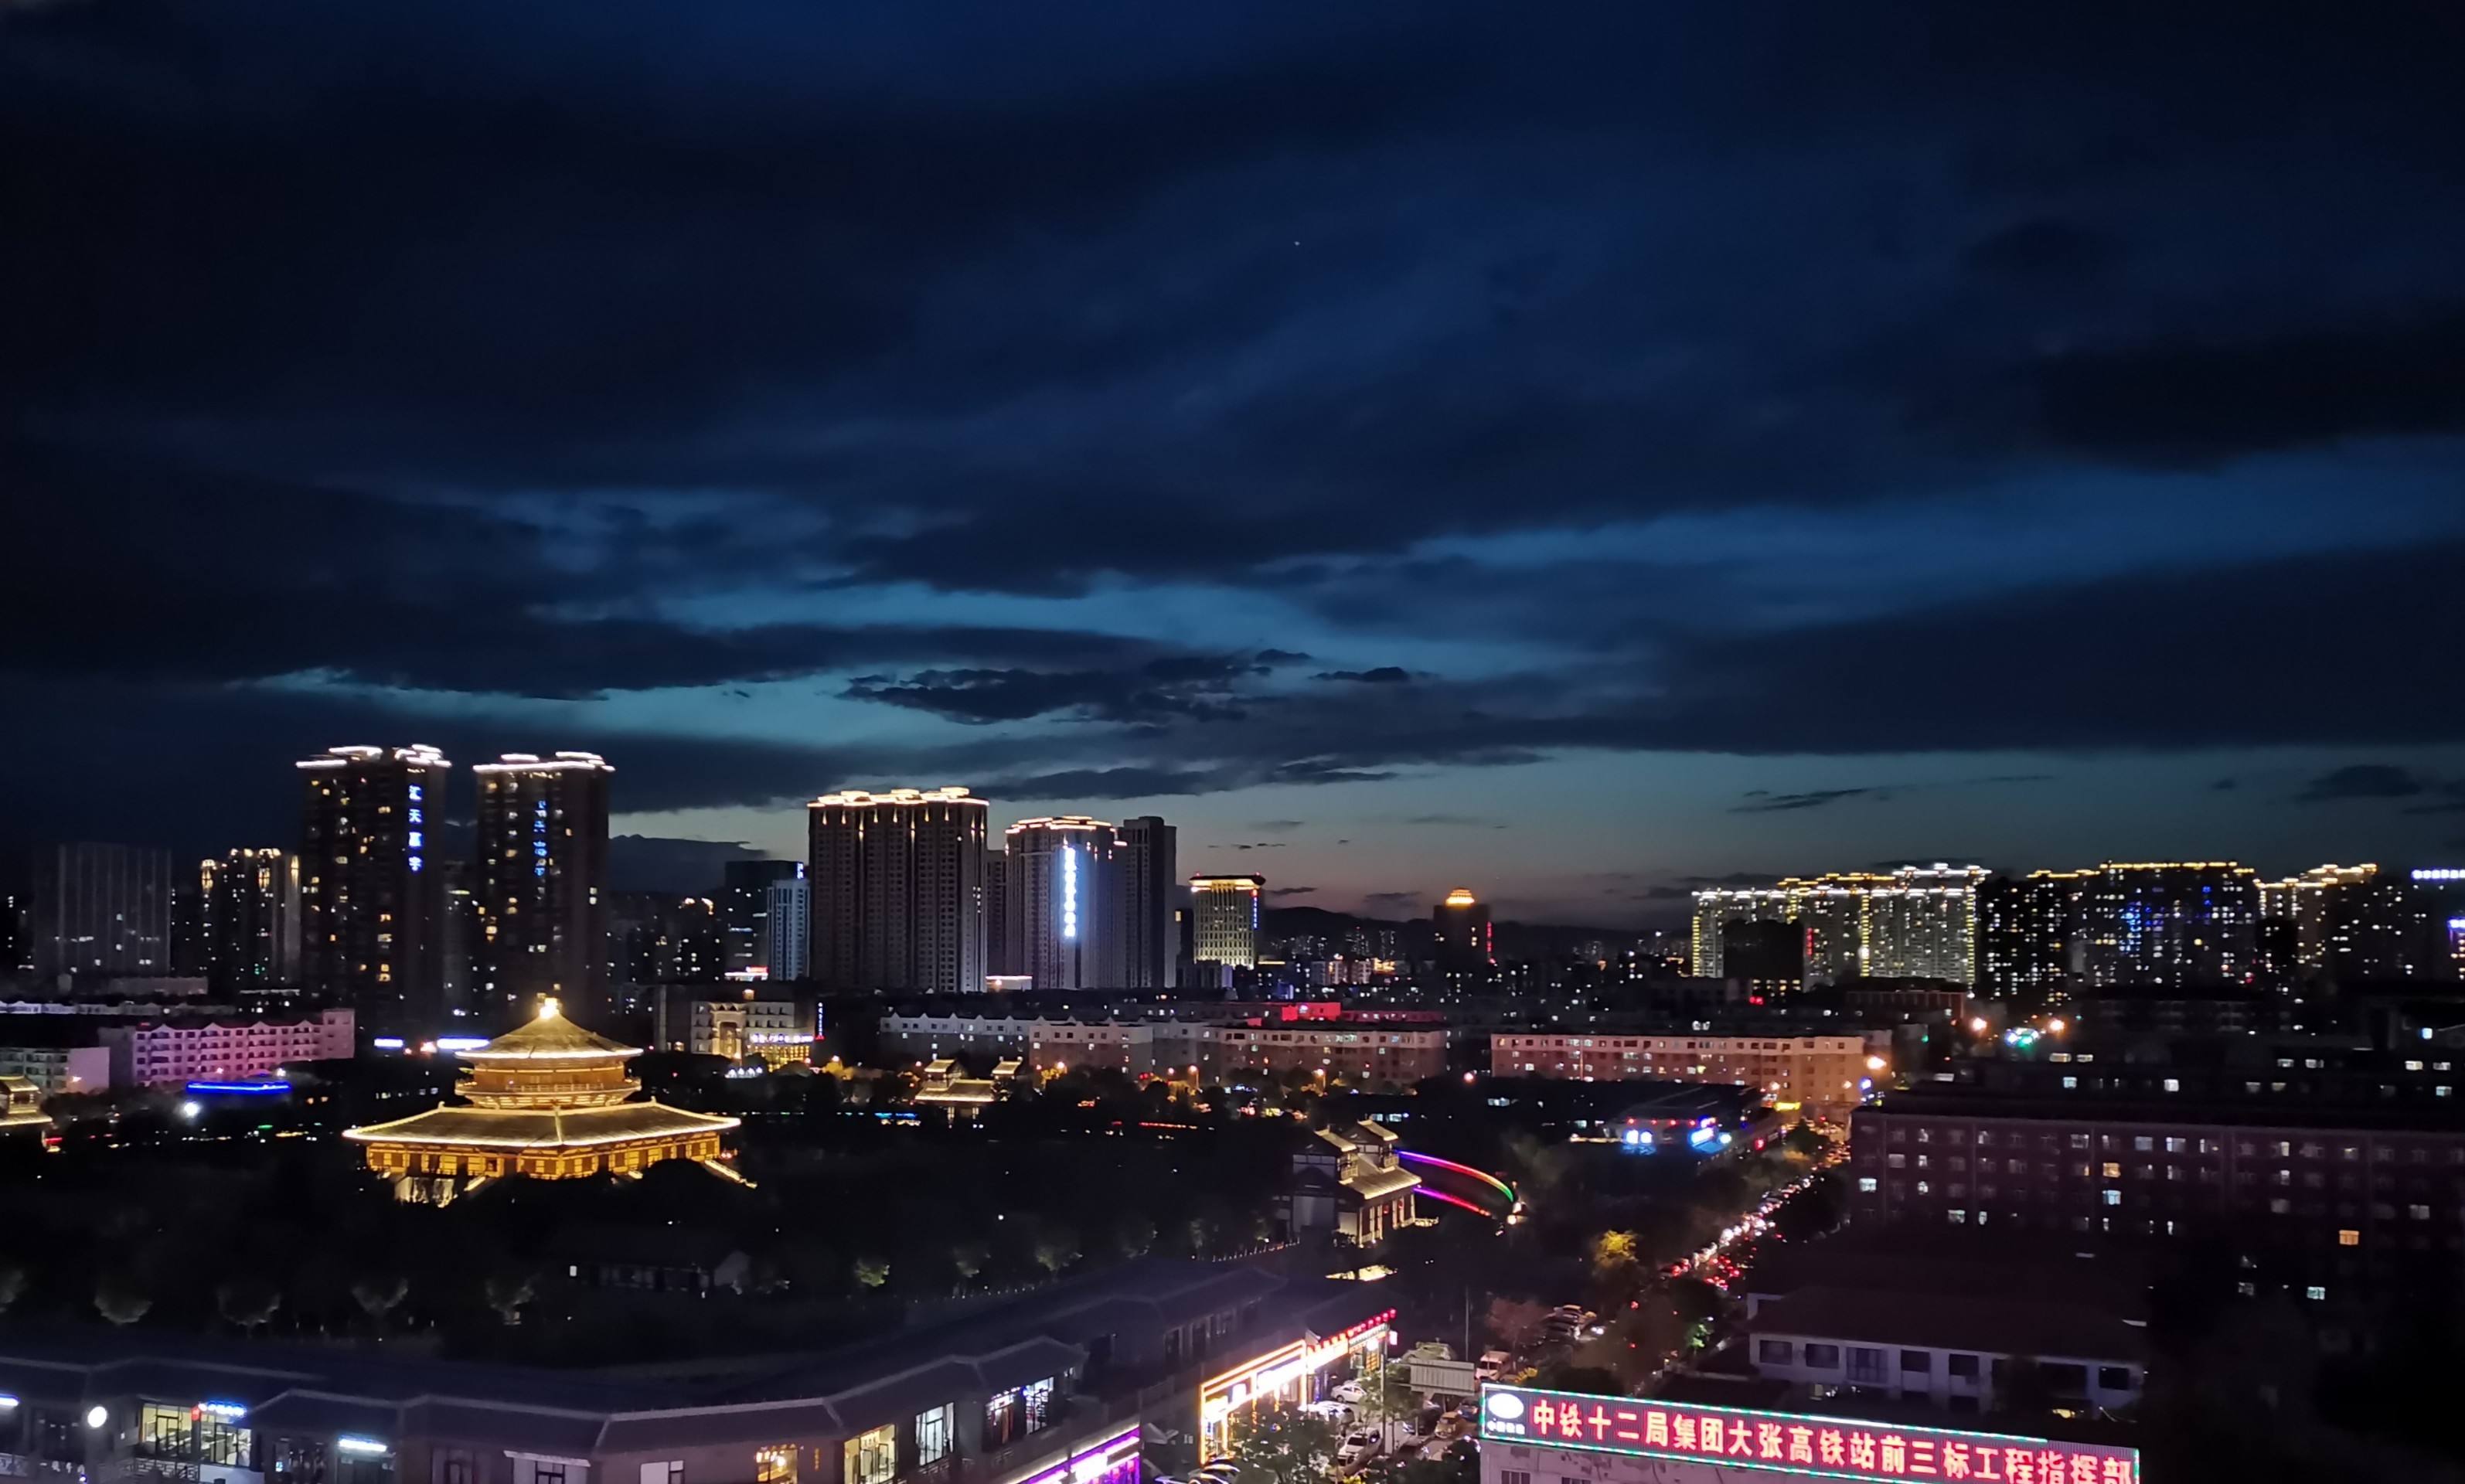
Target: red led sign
1839,1447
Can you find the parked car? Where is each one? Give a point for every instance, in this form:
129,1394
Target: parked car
1490,1365
1349,1391
1332,1410
1358,1449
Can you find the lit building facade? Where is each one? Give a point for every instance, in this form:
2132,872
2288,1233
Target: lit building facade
2170,924
897,890
1822,1073
1368,1056
100,911
371,907
1066,902
1152,894
2297,911
1715,907
1467,940
788,921
2028,944
252,919
1917,922
1349,1183
778,1028
217,1047
1921,923
540,881
1224,918
550,1100
55,1054
745,906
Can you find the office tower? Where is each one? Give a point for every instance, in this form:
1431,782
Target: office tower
370,906
102,910
2171,923
788,922
2028,944
1467,943
1065,896
252,919
1150,889
1921,922
1004,941
897,890
539,883
1224,920
1715,907
745,905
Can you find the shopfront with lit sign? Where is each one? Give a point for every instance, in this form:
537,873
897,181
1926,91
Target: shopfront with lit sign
1289,1375
1786,1443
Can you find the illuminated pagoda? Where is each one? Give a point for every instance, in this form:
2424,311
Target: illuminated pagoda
21,1108
550,1100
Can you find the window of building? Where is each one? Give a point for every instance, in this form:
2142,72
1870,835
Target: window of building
934,1434
1822,1357
1776,1352
1917,1362
1965,1365
2279,1206
870,1457
2418,1212
671,1471
2347,1236
2144,1144
1866,1182
2316,1292
2114,1198
2113,1378
1514,1476
1867,1365
453,1465
1957,1216
2110,1170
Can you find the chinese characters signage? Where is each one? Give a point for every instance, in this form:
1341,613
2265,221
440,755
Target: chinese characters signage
1838,1447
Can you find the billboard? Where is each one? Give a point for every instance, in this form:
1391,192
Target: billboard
1843,1448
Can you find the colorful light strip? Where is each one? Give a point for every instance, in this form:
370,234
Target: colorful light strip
1428,1194
1501,1186
1093,1463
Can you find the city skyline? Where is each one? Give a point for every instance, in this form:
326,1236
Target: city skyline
1582,459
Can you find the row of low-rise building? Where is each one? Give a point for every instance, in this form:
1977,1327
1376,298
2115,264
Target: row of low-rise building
93,1054
1066,1389
1364,1054
1826,1073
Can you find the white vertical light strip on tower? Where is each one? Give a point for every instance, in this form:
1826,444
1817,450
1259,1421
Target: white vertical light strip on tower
1069,892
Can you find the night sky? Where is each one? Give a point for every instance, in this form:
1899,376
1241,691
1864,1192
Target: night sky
1572,453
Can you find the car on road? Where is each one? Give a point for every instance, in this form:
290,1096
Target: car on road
1491,1366
1349,1391
1358,1449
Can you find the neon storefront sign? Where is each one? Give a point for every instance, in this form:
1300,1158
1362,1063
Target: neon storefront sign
1281,1369
1842,1448
1118,1452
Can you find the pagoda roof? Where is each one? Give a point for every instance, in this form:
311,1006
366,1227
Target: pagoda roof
550,1037
541,1128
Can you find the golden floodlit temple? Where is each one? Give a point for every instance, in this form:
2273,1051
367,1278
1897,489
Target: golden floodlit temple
550,1100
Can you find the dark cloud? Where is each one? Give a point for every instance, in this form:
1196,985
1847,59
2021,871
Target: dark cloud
1190,686
1459,821
1292,891
2199,401
1280,826
1280,656
1768,802
2038,248
654,863
1384,674
2223,785
2363,781
1734,878
1405,902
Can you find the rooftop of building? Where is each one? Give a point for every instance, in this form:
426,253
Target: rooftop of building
2086,1106
751,1398
1957,1264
